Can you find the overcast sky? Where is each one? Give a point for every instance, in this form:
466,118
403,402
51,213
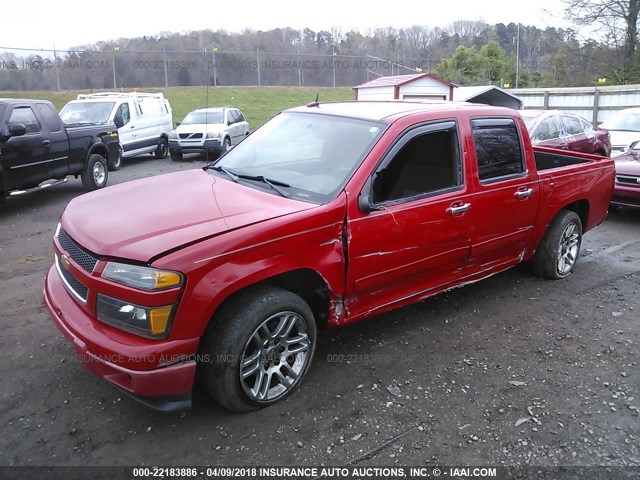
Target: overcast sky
69,23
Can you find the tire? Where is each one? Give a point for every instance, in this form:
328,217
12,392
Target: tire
96,174
116,163
226,144
176,156
558,252
245,331
163,149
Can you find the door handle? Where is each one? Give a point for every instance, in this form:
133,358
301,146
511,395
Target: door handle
456,209
525,193
132,126
46,143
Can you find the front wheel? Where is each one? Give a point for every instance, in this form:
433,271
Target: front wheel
257,349
115,163
95,174
558,252
176,156
163,149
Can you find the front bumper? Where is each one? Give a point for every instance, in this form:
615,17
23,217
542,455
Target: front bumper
166,388
195,146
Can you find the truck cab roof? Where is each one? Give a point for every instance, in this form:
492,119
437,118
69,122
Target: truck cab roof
389,111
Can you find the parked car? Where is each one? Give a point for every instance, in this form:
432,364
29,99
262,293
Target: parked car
144,120
626,192
35,146
208,131
557,129
624,128
324,216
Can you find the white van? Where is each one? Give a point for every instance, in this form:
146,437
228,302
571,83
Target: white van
144,120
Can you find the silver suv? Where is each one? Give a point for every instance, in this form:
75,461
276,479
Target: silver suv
209,131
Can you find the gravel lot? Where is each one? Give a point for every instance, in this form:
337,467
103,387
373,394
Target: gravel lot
512,370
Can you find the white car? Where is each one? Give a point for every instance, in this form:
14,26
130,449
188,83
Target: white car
209,131
624,127
144,120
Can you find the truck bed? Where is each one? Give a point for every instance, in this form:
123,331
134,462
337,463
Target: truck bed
546,159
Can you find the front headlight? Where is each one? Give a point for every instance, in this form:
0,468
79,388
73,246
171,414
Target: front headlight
213,135
150,322
173,135
145,278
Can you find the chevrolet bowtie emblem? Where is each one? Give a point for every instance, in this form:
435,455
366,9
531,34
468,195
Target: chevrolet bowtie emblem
64,260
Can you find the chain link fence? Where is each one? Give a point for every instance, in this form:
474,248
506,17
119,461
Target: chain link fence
23,69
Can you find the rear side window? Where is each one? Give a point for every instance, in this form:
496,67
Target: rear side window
498,147
572,125
240,116
50,117
25,116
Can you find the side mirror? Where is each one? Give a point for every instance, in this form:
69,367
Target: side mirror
364,200
178,124
17,129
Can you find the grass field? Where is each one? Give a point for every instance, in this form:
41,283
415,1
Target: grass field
257,103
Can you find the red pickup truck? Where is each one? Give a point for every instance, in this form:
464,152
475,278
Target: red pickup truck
325,215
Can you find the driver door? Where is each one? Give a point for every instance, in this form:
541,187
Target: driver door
416,236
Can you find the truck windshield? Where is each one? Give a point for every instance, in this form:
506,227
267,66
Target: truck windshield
86,113
203,117
308,156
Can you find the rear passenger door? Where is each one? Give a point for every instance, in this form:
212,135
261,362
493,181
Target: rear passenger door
58,141
417,236
506,195
576,136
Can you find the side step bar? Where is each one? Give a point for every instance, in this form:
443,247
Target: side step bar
39,187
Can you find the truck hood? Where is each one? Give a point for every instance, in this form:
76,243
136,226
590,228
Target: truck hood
628,164
200,128
142,219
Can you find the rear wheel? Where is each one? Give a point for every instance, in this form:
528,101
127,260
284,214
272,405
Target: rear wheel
258,348
163,149
95,175
558,252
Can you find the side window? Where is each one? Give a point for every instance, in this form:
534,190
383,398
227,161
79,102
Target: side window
233,117
25,116
586,126
123,115
240,116
427,163
572,125
498,148
50,117
547,130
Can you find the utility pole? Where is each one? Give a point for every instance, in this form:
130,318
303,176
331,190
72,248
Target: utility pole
258,64
166,74
55,60
333,62
518,56
213,57
113,65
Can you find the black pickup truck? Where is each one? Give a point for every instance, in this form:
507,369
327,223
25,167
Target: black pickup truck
36,146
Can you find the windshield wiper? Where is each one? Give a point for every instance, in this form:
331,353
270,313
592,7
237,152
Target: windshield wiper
219,168
268,181
274,184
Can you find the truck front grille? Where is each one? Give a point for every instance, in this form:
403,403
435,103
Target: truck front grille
190,136
628,180
81,256
73,285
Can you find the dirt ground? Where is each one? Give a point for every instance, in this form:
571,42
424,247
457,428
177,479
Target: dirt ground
512,370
